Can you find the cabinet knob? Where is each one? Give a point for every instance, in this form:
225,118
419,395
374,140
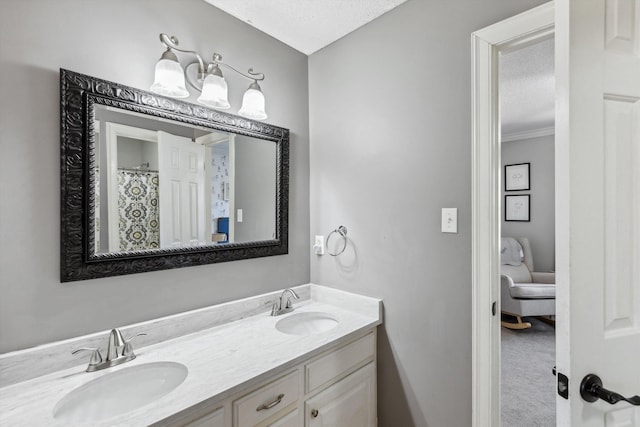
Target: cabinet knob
314,413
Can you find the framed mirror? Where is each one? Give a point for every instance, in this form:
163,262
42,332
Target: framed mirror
151,183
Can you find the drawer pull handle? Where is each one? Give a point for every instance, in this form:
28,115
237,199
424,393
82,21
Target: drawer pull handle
314,413
270,404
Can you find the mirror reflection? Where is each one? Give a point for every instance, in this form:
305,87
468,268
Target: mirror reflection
161,184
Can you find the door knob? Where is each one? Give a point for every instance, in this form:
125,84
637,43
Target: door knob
591,390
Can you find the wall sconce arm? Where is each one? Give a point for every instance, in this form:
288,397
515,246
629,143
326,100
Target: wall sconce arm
171,42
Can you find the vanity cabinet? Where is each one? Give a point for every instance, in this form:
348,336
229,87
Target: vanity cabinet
214,419
335,388
349,402
292,419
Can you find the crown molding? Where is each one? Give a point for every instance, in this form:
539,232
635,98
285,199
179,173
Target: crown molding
527,134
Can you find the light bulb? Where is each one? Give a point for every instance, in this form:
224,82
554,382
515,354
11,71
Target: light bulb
253,103
215,92
169,77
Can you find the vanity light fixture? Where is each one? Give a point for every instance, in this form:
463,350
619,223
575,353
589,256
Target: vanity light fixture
170,81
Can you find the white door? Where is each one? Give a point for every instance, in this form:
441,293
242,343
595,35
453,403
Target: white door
183,219
598,205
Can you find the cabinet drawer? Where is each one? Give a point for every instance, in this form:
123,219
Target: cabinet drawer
292,419
266,401
340,362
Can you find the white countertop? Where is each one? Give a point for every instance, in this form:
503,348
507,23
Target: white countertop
221,361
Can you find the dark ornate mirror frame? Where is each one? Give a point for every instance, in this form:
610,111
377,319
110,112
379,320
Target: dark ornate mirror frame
78,95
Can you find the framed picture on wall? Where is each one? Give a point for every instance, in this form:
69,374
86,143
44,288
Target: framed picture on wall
516,177
517,208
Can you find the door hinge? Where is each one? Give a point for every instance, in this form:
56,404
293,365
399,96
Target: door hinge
563,383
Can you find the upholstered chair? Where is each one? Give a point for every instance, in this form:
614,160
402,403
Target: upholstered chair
524,292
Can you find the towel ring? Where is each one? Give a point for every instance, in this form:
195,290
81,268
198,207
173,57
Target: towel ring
342,231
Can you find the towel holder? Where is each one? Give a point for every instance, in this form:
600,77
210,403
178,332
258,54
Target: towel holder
342,232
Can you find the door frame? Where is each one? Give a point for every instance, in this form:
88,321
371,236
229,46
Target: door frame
486,44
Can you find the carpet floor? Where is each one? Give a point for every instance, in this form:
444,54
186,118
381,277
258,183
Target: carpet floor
528,387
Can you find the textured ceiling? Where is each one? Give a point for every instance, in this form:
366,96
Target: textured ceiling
527,89
306,25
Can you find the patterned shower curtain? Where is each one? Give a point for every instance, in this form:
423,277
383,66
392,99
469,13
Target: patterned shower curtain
138,209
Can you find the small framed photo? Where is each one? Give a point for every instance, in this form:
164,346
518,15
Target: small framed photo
516,177
517,208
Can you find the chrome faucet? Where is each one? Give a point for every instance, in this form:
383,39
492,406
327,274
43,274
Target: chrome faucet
119,351
284,304
115,347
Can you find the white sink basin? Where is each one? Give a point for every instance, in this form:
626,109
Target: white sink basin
306,323
119,392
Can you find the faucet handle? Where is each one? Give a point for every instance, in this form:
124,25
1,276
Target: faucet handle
96,357
128,348
275,308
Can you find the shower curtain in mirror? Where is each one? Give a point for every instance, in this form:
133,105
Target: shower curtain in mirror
138,209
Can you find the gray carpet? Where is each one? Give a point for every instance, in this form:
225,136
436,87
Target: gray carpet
528,387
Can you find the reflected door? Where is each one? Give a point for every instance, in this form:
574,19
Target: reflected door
183,221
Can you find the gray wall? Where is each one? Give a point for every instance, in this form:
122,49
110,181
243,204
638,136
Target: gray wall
134,152
541,229
390,146
255,189
118,40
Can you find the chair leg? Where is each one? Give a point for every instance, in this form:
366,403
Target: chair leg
516,326
549,320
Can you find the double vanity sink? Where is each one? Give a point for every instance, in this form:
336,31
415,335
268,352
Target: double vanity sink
191,371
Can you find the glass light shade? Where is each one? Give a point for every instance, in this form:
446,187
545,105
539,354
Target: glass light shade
169,79
215,92
253,103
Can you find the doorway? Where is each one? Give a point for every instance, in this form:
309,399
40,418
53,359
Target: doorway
518,31
527,259
598,225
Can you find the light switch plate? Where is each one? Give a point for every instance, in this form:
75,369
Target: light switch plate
239,215
449,220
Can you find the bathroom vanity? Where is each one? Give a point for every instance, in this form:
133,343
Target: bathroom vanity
335,388
227,365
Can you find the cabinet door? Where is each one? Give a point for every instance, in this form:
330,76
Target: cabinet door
349,402
214,419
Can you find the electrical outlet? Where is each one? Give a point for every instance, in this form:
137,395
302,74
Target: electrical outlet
318,246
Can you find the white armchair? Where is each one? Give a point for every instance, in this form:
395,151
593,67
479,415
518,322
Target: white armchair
523,291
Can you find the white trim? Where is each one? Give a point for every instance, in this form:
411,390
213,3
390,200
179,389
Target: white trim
528,134
522,29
